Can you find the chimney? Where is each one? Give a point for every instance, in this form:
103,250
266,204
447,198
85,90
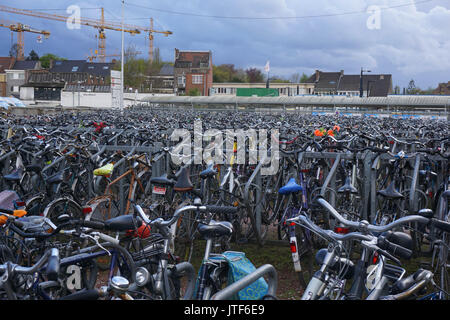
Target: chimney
317,75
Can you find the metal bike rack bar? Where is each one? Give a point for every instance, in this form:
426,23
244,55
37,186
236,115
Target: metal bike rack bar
330,177
255,217
412,192
237,286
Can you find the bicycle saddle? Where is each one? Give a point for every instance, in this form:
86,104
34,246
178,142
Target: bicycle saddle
33,168
290,187
162,180
427,213
56,178
16,175
215,229
123,223
446,194
390,192
184,181
208,172
347,187
406,283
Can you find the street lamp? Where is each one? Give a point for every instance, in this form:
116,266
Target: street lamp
361,82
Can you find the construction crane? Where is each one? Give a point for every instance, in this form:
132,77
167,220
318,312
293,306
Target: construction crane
95,55
100,24
20,29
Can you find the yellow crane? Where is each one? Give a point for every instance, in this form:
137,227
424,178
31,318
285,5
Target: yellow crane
96,55
20,29
100,24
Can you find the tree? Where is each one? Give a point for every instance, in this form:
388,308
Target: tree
32,56
297,78
194,92
14,51
304,78
46,58
228,73
412,88
254,75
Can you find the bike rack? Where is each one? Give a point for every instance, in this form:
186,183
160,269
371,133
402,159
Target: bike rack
237,286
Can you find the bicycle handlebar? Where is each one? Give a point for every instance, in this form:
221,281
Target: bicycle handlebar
364,226
50,256
165,223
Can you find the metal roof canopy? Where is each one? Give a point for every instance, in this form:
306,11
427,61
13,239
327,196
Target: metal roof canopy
412,101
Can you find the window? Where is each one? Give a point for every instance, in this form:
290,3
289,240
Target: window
182,80
75,69
197,79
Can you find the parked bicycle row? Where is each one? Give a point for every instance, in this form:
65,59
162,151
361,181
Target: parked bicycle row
88,196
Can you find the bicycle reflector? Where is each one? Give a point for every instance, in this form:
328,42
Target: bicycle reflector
86,210
293,246
341,230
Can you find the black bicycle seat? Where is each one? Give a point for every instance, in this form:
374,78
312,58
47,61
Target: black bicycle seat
33,168
446,194
56,178
184,181
390,192
162,180
215,229
14,176
123,223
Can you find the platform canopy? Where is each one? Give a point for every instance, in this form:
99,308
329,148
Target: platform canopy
431,101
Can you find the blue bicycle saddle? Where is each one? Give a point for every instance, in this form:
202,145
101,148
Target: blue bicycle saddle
290,187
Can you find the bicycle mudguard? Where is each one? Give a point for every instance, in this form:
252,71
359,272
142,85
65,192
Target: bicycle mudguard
239,267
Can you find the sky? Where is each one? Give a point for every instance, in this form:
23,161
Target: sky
409,39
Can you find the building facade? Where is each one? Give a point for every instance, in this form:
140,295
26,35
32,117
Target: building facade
78,75
6,63
17,76
338,83
193,72
443,88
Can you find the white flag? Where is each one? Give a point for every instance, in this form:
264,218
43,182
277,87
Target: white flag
267,67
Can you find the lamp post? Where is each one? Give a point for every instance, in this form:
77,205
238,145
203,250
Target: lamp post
361,82
122,66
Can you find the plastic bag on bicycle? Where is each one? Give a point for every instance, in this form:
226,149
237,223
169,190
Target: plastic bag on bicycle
239,267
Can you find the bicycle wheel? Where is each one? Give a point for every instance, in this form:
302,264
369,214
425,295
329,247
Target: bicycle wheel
417,232
62,206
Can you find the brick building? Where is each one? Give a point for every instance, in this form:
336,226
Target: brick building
193,72
443,88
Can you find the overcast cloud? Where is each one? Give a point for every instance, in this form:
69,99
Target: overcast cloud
410,42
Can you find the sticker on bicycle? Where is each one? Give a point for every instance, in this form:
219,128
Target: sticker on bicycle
159,190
